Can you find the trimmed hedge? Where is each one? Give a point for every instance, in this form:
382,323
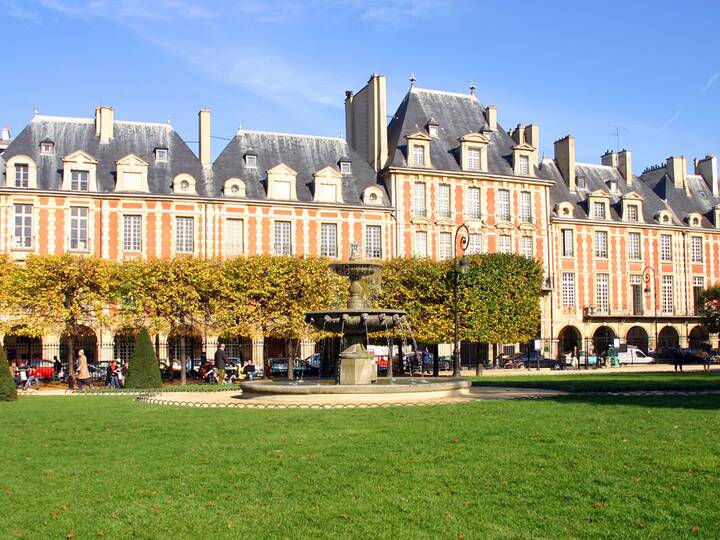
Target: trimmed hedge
143,368
8,392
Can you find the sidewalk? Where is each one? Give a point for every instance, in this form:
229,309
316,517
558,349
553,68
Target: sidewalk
642,368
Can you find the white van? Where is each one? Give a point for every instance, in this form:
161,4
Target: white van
633,355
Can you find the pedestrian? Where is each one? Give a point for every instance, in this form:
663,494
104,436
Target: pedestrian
57,368
33,376
706,361
678,358
82,372
426,361
113,375
220,359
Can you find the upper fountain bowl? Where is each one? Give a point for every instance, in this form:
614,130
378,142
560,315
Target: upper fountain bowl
355,269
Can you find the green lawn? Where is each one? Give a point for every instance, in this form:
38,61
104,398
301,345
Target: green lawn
609,381
578,466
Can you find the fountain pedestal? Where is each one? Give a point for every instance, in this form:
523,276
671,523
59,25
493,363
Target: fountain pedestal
357,366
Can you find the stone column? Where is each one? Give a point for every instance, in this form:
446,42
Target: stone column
211,343
307,348
50,347
258,347
163,353
106,347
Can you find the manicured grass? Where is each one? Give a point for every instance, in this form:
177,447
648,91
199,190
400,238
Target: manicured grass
578,466
609,382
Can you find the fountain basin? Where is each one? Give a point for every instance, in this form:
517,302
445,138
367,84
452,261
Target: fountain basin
355,320
439,388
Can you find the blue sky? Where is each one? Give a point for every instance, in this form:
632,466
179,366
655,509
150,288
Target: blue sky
650,68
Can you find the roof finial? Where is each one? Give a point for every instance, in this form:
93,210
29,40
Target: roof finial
170,119
472,88
35,110
412,80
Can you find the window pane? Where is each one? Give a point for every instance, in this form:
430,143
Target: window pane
504,243
568,247
474,244
23,225
473,161
444,200
283,244
234,236
526,247
503,205
328,240
419,199
373,241
420,244
131,233
78,228
22,175
568,289
444,245
418,154
524,165
602,293
473,203
184,233
634,250
526,207
696,247
79,180
665,247
601,244
667,294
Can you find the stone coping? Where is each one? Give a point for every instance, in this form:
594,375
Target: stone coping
447,387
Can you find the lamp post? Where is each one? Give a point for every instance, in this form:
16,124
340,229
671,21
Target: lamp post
458,266
646,278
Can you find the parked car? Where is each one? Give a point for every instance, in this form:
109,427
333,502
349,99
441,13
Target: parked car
530,359
44,367
633,355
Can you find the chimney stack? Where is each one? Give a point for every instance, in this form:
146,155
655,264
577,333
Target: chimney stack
366,121
625,166
518,134
565,159
5,135
609,159
104,123
532,137
708,169
676,170
204,136
491,117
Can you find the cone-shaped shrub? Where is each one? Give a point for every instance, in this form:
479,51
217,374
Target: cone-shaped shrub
7,384
143,368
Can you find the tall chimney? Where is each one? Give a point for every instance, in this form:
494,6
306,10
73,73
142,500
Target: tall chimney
491,116
518,134
609,159
366,121
625,166
565,159
676,170
204,136
532,137
708,169
104,123
5,135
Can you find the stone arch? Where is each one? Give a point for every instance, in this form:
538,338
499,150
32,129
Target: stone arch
124,344
668,338
21,348
85,339
569,341
637,337
697,337
603,340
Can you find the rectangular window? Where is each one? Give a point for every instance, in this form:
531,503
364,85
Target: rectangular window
444,246
420,244
282,243
698,286
250,161
443,200
526,246
328,240
373,242
184,234
568,243
473,203
602,293
601,244
474,244
23,225
634,252
79,180
234,237
473,161
418,154
599,210
667,295
632,212
524,165
345,167
419,207
505,243
666,248
22,175
526,207
568,289
637,295
78,228
696,249
132,230
502,210
161,154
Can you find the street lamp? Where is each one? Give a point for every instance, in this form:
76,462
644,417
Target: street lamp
646,278
459,265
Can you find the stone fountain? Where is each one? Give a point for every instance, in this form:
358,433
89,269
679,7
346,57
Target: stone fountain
355,322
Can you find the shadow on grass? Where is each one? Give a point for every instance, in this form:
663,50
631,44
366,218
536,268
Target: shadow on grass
708,402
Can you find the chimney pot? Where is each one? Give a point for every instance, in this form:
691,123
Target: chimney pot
204,136
565,159
491,117
104,123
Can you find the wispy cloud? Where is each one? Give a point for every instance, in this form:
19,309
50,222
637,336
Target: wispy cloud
710,82
673,117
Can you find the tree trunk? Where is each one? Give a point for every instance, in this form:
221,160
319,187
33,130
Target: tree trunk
291,358
71,362
183,354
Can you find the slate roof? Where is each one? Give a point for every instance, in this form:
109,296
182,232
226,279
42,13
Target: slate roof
456,116
139,138
303,153
598,178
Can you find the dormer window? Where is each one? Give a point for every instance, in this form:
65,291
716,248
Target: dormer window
433,130
47,148
613,186
474,159
418,154
161,154
632,212
251,161
345,168
79,180
598,208
184,185
580,182
22,175
524,165
234,187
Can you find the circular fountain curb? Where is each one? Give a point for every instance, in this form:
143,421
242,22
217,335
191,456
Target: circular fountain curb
451,388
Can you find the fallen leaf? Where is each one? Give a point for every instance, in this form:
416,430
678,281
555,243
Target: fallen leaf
599,505
344,516
100,533
154,509
230,525
461,535
694,530
70,534
639,525
447,514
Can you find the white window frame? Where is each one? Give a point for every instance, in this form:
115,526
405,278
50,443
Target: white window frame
600,250
504,243
419,199
696,249
345,168
328,240
634,246
633,212
251,161
161,155
526,247
523,165
22,226
132,232
184,234
78,179
599,210
474,208
526,215
445,246
234,236
666,250
373,241
475,245
568,248
667,294
79,228
568,289
474,159
22,175
602,293
420,241
282,237
418,154
443,200
502,205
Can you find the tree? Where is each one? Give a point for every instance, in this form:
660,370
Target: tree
8,392
59,293
710,306
143,368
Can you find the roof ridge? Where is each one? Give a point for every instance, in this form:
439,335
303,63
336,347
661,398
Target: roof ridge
303,135
596,165
444,93
85,120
